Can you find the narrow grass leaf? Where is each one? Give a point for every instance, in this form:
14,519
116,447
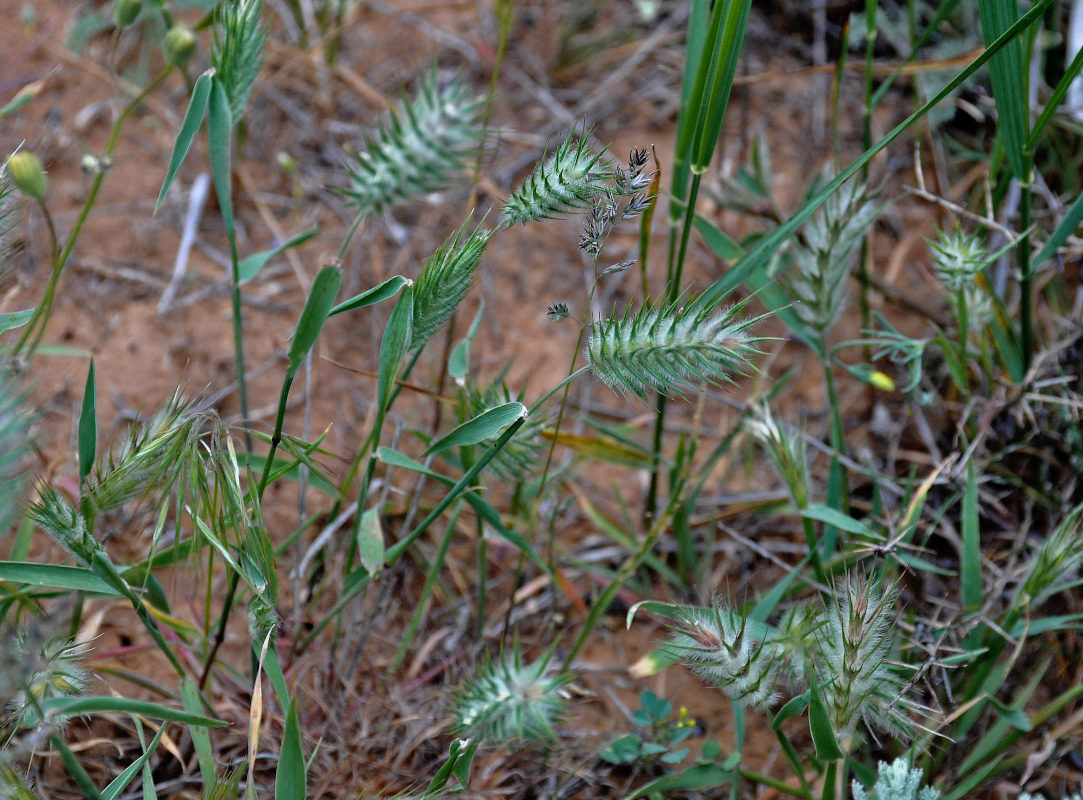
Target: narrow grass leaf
1008,75
370,297
832,516
290,775
88,426
75,769
201,738
250,266
219,140
55,576
970,566
1065,228
77,706
317,307
484,426
193,118
121,781
725,38
393,348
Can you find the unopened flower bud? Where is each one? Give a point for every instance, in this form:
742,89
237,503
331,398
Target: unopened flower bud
179,45
125,12
27,173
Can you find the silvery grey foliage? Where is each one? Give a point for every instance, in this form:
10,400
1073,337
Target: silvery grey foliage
896,781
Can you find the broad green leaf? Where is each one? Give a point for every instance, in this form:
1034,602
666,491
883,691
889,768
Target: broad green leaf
15,319
88,426
376,294
219,142
370,541
250,266
314,314
290,775
78,706
193,118
484,426
55,576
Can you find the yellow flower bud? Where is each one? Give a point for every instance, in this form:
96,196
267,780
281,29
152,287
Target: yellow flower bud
881,381
179,45
27,173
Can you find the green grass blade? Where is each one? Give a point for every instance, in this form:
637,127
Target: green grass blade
193,118
121,781
250,266
484,426
55,576
77,706
75,769
970,568
201,739
823,737
88,426
369,297
219,142
315,313
727,44
393,349
290,775
759,255
1065,228
1008,73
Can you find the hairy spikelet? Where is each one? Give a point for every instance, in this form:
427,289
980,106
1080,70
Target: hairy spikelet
13,786
67,527
570,180
237,56
508,701
420,149
155,455
670,348
821,265
444,281
786,449
853,646
1056,564
715,644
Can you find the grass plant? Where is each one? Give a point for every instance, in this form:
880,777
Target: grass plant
912,639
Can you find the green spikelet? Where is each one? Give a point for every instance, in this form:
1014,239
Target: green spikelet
238,50
671,348
508,701
568,181
420,149
444,281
